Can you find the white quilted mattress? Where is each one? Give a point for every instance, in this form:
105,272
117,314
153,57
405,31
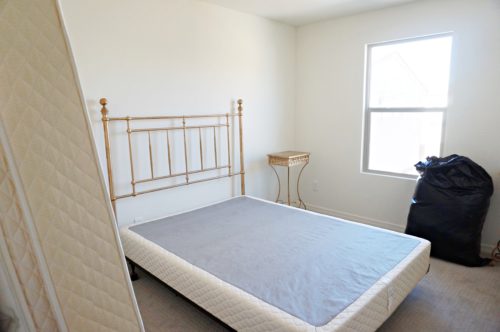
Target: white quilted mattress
245,312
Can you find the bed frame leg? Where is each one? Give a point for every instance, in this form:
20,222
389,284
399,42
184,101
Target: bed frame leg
133,275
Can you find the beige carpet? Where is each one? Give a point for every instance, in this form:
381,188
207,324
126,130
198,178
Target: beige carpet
450,298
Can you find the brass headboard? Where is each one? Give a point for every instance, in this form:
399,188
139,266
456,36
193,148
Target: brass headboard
228,120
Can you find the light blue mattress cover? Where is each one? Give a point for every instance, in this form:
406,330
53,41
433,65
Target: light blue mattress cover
310,266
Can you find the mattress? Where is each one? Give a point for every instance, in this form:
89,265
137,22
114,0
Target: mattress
259,266
60,231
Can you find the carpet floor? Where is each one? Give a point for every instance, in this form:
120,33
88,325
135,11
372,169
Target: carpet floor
449,298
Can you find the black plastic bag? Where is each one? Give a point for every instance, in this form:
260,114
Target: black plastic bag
449,208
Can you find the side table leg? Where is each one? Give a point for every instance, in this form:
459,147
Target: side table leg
288,186
301,202
279,183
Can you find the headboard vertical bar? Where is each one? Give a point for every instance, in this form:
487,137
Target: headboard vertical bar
131,158
185,148
151,155
169,160
242,159
201,149
215,148
229,168
105,124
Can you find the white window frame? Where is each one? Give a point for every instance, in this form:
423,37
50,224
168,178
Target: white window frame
369,110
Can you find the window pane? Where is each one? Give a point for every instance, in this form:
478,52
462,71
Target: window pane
410,73
398,140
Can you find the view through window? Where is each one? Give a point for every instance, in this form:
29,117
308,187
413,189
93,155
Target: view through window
406,99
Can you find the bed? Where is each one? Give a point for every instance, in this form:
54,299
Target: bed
261,266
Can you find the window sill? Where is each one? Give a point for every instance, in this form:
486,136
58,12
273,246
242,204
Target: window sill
390,174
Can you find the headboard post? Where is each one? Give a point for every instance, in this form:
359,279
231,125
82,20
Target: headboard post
242,159
105,124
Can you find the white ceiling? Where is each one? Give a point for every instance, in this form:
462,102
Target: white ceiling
300,12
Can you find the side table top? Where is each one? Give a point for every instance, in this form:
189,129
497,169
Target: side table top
288,158
288,154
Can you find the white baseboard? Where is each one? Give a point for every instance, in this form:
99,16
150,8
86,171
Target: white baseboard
357,218
486,248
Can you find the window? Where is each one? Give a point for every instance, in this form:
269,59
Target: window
405,103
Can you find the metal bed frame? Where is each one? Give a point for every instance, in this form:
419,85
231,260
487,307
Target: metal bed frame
229,121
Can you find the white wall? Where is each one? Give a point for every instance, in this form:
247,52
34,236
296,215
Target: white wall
329,110
186,57
174,57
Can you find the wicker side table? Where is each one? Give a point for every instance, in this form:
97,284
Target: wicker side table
289,159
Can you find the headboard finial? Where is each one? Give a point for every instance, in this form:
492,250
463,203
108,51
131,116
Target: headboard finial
104,110
240,105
